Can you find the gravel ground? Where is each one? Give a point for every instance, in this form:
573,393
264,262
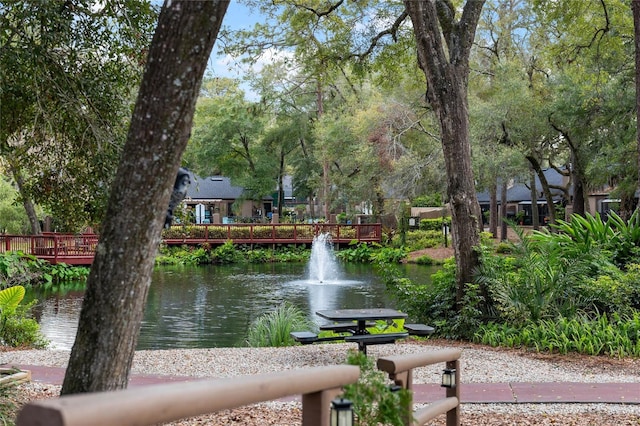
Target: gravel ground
478,364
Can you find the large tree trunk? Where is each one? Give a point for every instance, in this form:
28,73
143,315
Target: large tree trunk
281,172
503,211
535,211
635,7
578,186
29,208
117,287
546,190
493,210
447,76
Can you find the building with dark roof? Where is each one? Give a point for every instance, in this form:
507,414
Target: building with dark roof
519,197
214,196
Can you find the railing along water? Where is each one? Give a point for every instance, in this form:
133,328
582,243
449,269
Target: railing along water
78,249
75,249
281,233
148,405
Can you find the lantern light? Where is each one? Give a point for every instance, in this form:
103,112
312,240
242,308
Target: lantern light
449,378
341,412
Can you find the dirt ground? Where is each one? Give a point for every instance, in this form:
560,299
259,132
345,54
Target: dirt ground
438,253
441,253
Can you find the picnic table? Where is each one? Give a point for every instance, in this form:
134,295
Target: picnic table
356,322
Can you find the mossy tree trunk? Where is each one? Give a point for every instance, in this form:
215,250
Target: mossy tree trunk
444,44
117,287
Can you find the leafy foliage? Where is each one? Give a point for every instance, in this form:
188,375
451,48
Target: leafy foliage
433,200
613,336
560,274
14,220
183,255
17,267
69,73
16,328
10,298
361,253
419,239
227,253
373,399
375,253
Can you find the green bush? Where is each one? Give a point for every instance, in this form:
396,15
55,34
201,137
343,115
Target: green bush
20,331
388,255
218,232
195,231
420,239
16,328
359,253
262,232
227,253
551,275
13,217
291,253
433,200
374,403
174,232
617,336
183,255
434,224
274,328
259,256
409,296
425,260
240,232
285,232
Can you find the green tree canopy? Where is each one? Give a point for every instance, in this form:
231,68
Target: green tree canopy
68,71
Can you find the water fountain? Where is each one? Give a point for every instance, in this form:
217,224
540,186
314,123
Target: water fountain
323,265
212,305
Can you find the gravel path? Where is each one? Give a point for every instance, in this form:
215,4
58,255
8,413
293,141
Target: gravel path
478,365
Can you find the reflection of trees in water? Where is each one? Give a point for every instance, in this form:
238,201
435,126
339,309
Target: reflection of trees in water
213,306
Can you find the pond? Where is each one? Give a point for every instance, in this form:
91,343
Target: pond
213,306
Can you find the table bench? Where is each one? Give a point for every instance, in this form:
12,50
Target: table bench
309,337
364,340
356,322
342,327
419,329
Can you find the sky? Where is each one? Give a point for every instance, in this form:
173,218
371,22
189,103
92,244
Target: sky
238,16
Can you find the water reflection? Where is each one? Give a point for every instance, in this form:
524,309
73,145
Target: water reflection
213,306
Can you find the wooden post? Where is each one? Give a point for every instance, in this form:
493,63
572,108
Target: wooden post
453,415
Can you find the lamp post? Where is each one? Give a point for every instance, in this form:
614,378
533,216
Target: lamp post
341,412
445,231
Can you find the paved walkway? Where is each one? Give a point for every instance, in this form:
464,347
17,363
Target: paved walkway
479,393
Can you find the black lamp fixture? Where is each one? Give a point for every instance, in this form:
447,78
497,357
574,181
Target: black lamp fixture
341,412
449,378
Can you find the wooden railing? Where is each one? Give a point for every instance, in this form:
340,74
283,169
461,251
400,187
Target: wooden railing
75,249
78,249
281,233
148,405
400,370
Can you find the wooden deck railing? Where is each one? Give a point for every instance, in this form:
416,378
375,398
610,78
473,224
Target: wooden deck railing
78,249
400,370
148,405
281,233
74,249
